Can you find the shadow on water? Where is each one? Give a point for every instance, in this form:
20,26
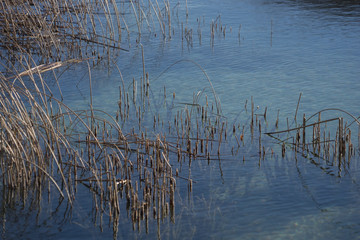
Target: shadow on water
349,9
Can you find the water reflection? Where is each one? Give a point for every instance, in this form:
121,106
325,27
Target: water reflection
350,9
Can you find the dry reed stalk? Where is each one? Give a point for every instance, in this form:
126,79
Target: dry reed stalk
137,19
260,138
297,128
318,134
341,139
167,6
55,30
304,131
297,107
159,17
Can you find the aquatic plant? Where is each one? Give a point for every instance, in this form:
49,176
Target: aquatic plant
56,30
47,146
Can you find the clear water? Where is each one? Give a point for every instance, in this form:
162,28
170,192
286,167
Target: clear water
285,48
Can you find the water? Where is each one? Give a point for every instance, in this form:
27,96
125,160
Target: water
312,49
285,48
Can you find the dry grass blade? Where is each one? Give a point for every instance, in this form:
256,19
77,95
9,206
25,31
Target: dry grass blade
44,68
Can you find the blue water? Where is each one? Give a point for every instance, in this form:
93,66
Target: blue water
285,48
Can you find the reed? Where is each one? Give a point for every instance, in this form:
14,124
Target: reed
44,144
60,30
42,140
297,107
321,141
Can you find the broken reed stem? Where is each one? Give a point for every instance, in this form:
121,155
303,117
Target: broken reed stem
304,130
297,128
341,139
277,120
260,138
297,107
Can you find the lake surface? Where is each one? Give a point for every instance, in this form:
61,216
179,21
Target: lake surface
271,51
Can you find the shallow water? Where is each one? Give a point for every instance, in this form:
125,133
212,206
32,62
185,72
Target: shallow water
285,48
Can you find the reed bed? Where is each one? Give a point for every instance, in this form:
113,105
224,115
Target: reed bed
327,142
44,144
47,147
57,30
137,157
